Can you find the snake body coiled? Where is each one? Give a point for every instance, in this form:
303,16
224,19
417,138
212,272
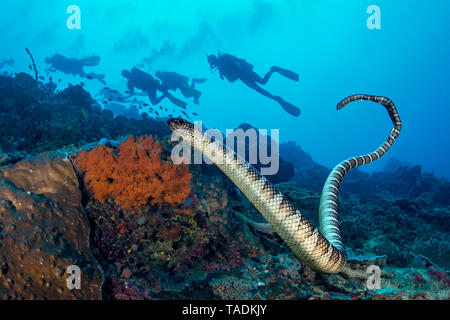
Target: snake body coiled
321,251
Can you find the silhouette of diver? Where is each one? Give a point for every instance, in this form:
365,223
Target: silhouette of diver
75,66
141,80
174,81
234,68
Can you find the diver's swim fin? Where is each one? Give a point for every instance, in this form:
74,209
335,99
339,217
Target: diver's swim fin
99,77
290,108
176,101
199,80
91,61
286,73
190,92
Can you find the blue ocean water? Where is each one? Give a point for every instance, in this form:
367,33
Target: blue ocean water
328,43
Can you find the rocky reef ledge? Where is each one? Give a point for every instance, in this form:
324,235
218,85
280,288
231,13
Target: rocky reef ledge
43,231
205,249
123,217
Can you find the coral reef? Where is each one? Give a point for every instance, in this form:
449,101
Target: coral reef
141,228
42,119
285,168
135,176
308,173
164,251
232,288
403,181
43,231
398,179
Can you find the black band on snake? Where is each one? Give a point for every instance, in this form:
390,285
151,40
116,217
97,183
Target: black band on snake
322,251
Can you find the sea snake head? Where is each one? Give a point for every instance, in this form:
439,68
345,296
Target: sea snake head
183,129
190,133
178,123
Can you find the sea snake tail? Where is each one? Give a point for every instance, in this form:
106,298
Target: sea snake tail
322,253
329,208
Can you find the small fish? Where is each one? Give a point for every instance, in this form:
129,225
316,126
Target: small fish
146,104
160,108
195,113
89,77
29,66
105,102
127,92
82,84
41,77
157,113
59,80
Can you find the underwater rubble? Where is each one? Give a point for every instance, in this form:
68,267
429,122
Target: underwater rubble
195,236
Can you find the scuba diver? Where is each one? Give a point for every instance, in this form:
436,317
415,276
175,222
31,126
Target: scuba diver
174,81
75,66
141,80
234,68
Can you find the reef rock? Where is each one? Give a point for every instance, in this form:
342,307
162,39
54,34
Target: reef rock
35,119
285,168
43,231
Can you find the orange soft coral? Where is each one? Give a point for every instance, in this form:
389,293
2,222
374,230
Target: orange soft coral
134,176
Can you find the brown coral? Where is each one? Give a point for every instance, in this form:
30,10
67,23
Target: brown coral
134,176
43,231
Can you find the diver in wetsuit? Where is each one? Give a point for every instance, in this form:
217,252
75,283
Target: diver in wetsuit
174,81
141,80
234,68
75,66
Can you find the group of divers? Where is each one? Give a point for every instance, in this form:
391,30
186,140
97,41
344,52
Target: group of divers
163,83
